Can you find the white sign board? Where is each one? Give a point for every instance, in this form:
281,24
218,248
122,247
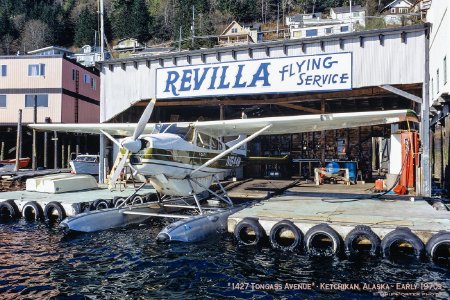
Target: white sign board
312,73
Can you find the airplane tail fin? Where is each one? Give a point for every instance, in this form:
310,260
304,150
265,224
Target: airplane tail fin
243,149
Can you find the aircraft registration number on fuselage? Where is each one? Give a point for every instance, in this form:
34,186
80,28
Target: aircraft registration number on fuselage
233,161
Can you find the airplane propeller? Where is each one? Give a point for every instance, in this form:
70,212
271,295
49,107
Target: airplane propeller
131,144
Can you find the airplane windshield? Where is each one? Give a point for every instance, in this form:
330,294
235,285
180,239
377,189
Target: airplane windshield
186,132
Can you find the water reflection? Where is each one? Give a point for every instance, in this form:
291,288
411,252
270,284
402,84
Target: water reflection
39,262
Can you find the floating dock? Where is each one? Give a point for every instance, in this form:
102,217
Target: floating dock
257,189
344,207
73,202
57,196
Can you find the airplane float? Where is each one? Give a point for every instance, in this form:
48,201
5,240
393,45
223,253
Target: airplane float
183,159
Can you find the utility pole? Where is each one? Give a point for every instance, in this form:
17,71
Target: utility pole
278,17
18,141
101,165
102,31
351,23
193,25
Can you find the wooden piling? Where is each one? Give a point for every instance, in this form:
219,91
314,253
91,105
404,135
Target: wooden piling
77,146
33,146
55,150
45,148
2,151
62,155
68,153
18,140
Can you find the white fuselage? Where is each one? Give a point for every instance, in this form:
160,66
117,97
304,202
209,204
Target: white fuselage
168,159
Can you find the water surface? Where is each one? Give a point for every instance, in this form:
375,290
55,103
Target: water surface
39,262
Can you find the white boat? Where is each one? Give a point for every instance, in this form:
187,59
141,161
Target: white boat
85,164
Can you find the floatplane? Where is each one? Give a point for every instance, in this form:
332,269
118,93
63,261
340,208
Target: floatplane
183,159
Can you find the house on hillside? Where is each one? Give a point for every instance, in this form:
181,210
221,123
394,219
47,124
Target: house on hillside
326,27
89,55
128,45
420,8
298,20
312,25
396,12
237,34
354,14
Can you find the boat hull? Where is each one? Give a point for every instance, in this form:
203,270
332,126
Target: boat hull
23,163
84,167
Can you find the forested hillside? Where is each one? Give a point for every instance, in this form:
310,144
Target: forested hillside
30,24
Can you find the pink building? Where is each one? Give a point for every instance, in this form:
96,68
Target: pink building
64,91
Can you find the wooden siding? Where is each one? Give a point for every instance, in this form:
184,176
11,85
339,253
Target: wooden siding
398,59
14,102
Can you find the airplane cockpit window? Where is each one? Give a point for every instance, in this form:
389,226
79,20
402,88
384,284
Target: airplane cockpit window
186,132
214,144
202,140
208,142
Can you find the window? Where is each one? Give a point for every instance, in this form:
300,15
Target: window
36,70
329,30
202,140
344,28
41,100
297,34
437,81
311,32
3,70
87,78
445,70
94,84
2,100
233,30
356,14
403,10
74,74
393,10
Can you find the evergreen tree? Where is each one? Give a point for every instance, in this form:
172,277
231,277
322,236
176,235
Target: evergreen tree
5,25
140,21
120,19
85,27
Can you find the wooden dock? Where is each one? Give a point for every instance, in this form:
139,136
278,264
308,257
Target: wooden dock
258,189
343,207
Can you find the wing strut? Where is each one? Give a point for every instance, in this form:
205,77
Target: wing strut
231,149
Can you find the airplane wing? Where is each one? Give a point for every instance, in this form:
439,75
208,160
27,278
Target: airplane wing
304,123
124,129
121,129
279,125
